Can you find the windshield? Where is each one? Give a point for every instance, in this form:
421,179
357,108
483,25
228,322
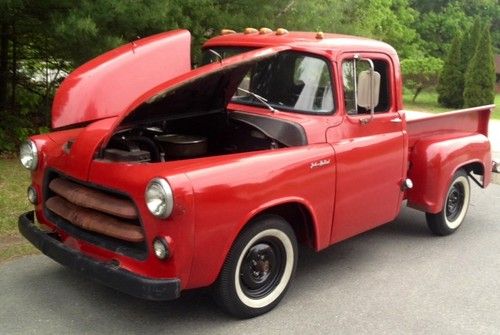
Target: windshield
208,57
291,81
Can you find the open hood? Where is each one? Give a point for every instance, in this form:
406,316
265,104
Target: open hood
105,86
205,89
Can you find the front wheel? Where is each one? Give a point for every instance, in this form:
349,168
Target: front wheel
456,204
258,269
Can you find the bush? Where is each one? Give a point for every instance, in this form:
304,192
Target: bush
421,73
13,131
451,82
480,76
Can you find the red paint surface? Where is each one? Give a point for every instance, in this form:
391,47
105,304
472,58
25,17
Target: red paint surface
215,197
106,85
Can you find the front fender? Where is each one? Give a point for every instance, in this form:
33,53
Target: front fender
231,190
433,162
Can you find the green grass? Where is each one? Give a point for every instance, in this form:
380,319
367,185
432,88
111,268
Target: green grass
14,181
15,250
427,102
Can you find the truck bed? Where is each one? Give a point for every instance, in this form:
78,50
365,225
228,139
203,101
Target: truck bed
461,122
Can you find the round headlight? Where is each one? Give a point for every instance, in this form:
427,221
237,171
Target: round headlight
28,154
159,198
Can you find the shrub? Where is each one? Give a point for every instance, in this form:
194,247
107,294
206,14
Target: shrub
451,81
480,76
421,73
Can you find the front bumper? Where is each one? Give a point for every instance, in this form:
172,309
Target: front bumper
105,273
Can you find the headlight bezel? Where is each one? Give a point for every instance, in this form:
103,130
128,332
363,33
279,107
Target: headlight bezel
166,201
28,148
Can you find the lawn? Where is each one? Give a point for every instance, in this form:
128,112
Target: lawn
14,181
427,102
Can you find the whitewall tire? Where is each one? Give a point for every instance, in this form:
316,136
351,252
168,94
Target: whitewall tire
455,206
258,269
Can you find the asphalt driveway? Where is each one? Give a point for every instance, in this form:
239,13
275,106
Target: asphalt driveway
395,279
494,136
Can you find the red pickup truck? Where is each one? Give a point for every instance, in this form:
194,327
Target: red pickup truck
158,178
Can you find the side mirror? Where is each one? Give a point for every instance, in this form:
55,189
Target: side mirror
368,89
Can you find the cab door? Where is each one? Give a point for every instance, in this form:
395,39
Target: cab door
369,152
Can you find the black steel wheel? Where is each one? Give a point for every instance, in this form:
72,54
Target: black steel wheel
258,269
455,206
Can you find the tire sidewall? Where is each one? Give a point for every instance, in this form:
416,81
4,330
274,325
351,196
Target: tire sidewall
285,276
228,290
461,178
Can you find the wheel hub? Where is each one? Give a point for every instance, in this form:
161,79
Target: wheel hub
455,202
260,270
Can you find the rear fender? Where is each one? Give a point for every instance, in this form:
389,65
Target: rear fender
434,161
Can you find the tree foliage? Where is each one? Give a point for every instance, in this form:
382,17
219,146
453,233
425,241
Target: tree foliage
421,73
469,44
480,76
41,41
451,82
441,19
438,28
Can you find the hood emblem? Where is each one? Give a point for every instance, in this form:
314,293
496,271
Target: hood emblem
320,163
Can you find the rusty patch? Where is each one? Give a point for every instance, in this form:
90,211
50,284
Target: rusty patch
93,199
95,221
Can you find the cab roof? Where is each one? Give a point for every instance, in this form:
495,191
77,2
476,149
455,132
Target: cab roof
309,40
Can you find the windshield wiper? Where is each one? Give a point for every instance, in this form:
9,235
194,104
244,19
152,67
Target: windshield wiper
261,99
216,54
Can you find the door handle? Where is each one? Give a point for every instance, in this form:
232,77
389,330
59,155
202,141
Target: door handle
396,120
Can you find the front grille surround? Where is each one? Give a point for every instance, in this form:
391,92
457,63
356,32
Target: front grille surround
137,250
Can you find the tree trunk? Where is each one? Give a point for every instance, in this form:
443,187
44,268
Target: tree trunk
417,92
14,69
4,65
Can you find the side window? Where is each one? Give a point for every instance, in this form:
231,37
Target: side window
348,75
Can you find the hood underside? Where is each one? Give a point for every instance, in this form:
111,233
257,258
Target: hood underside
205,89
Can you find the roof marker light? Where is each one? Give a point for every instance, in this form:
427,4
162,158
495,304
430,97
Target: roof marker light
265,30
320,35
281,31
227,31
250,30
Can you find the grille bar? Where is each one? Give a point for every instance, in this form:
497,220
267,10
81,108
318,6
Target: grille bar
93,199
95,221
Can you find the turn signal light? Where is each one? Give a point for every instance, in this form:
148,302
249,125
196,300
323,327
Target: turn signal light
161,248
32,195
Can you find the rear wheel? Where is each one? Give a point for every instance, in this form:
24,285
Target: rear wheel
455,207
258,269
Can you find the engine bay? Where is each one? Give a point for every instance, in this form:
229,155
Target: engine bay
186,138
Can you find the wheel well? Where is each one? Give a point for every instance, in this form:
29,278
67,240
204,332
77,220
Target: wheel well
299,217
476,168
